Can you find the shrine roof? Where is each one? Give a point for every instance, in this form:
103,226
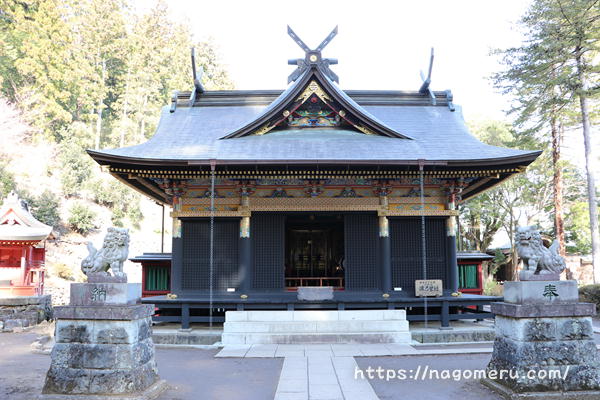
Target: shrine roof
17,223
312,121
196,133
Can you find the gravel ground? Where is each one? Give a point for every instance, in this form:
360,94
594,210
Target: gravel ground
191,373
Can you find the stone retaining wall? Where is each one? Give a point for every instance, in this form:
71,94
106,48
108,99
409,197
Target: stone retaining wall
21,312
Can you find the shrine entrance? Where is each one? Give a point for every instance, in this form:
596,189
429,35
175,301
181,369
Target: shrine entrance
314,251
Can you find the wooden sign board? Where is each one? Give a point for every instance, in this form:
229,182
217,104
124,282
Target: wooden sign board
428,288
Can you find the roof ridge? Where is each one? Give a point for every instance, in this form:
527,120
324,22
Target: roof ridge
313,83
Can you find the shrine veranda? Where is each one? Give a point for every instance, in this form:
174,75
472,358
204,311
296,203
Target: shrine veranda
313,186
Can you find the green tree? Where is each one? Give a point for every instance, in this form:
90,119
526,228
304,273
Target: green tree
7,179
158,63
76,167
101,37
554,72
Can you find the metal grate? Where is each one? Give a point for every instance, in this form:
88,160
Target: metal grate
406,250
361,246
268,244
195,258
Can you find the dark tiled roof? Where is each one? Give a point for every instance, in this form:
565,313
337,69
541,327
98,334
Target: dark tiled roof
434,132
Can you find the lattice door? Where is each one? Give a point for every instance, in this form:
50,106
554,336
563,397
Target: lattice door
268,245
196,257
361,243
406,248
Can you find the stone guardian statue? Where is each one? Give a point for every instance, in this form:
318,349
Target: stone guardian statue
111,255
539,262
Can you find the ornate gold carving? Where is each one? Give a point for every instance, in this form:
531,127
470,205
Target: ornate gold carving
403,213
415,200
364,129
264,129
204,213
313,88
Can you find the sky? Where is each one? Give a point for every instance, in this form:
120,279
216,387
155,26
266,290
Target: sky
380,44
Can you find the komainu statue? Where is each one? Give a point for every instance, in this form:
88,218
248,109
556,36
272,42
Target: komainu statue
537,259
113,253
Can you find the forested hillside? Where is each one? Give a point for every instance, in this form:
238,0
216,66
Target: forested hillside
80,74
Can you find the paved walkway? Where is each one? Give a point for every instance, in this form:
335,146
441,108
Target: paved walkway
321,377
327,371
349,350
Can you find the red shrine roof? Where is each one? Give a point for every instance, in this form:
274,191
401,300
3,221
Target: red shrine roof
18,225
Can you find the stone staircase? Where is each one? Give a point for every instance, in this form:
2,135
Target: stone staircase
308,327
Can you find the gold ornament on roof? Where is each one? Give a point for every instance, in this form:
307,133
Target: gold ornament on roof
364,129
313,88
264,129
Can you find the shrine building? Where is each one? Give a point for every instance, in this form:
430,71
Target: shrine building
22,250
312,186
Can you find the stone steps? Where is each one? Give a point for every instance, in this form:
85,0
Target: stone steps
291,327
315,338
315,326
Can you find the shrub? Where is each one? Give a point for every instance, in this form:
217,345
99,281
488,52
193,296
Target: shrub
62,271
590,294
45,208
81,218
493,288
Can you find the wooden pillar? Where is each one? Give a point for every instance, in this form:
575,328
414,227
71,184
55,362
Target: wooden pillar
386,254
451,246
246,262
445,317
23,265
177,256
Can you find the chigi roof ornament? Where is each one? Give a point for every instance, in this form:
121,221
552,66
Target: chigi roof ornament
427,81
313,58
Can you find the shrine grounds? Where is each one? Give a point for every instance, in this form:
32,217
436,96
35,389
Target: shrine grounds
195,374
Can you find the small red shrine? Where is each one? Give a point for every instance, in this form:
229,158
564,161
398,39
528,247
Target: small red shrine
22,249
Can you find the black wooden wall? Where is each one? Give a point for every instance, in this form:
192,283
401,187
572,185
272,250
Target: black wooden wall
195,254
406,249
362,252
268,246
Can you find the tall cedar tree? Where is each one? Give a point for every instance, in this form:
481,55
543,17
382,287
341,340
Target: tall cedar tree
551,75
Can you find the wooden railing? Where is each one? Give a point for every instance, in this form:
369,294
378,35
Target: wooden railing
336,282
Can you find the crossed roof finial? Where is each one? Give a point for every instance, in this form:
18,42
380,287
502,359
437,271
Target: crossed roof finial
313,58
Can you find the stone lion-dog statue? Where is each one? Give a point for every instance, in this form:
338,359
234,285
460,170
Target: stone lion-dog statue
111,255
537,259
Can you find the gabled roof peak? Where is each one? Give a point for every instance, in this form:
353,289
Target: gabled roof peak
314,100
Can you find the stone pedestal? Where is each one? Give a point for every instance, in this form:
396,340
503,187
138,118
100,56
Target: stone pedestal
544,346
104,346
